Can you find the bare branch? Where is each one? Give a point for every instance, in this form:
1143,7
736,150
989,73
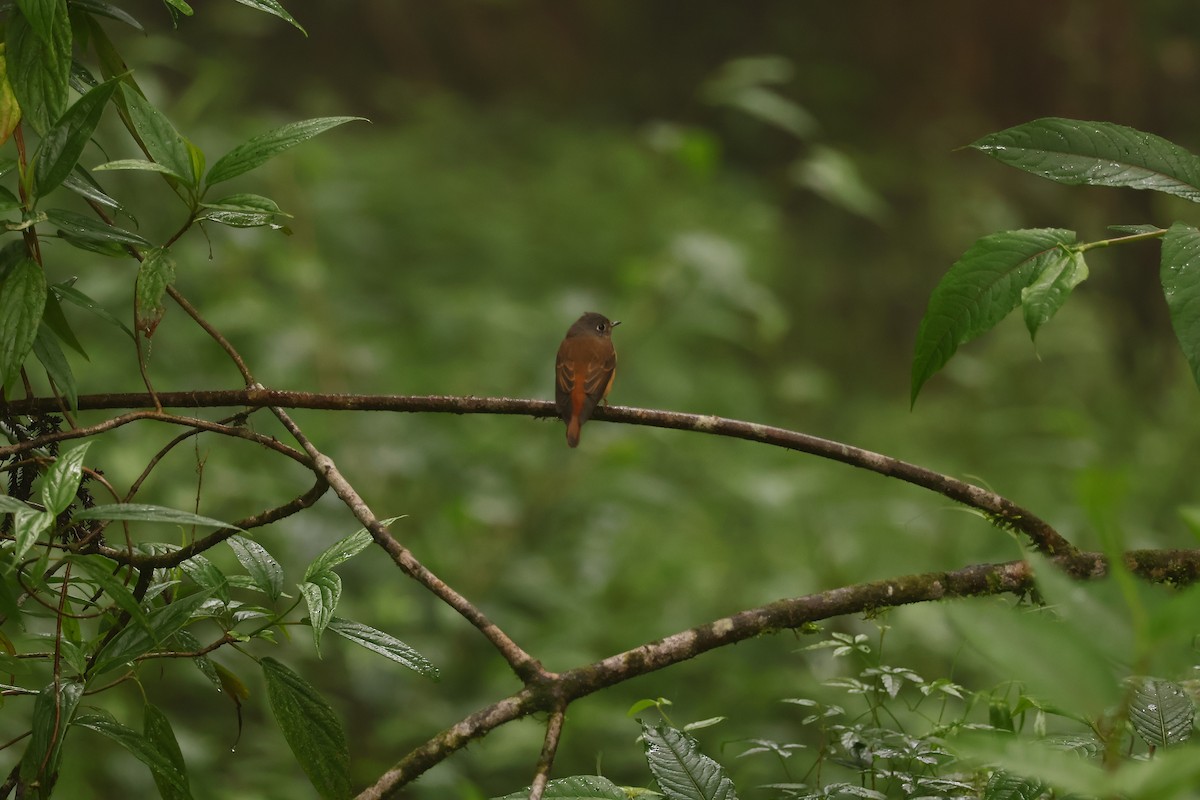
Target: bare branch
541,775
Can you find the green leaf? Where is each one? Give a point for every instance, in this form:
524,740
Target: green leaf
103,9
52,711
39,68
180,6
184,641
1059,272
311,729
42,16
262,148
577,787
1161,711
1006,786
22,300
83,184
262,568
242,211
100,571
156,728
1179,273
92,230
28,525
141,748
63,144
680,769
340,551
155,274
10,109
385,645
1078,152
164,144
64,291
52,358
275,9
135,164
54,319
978,291
62,480
206,575
141,512
321,593
132,642
10,505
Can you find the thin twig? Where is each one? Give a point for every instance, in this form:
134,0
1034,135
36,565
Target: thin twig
541,775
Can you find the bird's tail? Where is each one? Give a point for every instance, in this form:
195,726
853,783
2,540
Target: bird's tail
573,426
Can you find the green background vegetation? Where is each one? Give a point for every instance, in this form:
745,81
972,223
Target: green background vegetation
531,160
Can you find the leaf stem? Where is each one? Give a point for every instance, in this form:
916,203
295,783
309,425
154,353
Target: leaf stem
1133,237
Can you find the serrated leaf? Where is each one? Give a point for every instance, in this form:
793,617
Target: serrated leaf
206,575
340,551
977,292
577,787
22,300
61,481
1179,274
63,144
311,729
1059,272
260,565
264,147
1161,711
155,274
156,729
1006,786
385,645
39,69
321,593
142,512
52,711
141,748
1078,152
100,571
680,769
275,9
132,641
10,109
164,144
92,230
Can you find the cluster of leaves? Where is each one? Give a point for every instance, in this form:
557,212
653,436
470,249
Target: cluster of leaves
1080,719
1037,269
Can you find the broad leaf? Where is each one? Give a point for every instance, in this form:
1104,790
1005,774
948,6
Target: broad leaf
262,568
155,274
62,480
92,230
39,68
1161,711
311,729
164,144
264,147
140,512
28,525
141,748
578,787
1179,273
22,300
339,551
680,769
1078,152
978,291
63,144
206,575
384,644
242,211
321,593
156,729
1059,272
9,505
100,571
132,641
10,109
52,711
42,16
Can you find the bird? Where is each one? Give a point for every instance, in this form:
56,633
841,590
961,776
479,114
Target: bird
584,371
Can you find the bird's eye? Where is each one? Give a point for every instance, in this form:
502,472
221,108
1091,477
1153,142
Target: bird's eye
600,327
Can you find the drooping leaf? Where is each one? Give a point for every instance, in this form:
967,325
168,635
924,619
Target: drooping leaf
93,230
52,357
275,9
1058,273
264,147
384,644
311,729
83,184
54,319
261,566
321,593
62,479
22,300
135,641
64,291
100,571
141,748
155,274
10,109
52,712
978,291
39,68
681,771
1162,712
184,641
156,728
165,145
577,787
141,512
1078,152
100,8
28,525
63,144
1179,273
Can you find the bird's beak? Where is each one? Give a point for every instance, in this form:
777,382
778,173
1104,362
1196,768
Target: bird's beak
615,324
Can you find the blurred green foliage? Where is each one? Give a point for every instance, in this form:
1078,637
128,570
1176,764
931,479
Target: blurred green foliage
446,248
